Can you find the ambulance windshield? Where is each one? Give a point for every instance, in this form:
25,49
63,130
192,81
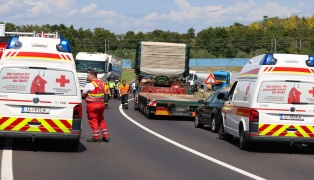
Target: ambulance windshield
86,65
37,81
286,92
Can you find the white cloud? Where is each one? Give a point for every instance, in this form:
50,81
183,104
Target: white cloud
87,9
7,6
186,14
271,9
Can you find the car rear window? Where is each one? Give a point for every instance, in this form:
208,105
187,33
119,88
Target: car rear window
286,92
37,81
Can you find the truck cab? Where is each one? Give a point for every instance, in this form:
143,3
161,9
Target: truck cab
104,64
192,80
222,78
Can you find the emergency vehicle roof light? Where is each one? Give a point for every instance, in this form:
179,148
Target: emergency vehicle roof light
268,60
14,43
64,45
310,61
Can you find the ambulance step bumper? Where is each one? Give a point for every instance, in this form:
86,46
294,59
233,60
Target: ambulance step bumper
253,136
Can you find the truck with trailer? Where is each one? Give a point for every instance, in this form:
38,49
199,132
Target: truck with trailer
102,63
166,93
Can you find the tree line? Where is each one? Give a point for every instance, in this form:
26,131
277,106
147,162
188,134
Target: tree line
294,35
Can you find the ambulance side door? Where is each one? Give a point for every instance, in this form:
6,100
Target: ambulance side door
228,107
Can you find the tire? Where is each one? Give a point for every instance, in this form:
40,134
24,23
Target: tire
135,106
222,135
72,145
197,123
243,144
148,114
142,108
214,125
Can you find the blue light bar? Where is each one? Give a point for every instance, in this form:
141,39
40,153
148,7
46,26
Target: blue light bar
14,43
310,61
64,45
269,60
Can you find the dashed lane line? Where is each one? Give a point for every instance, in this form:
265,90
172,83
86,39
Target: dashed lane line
6,161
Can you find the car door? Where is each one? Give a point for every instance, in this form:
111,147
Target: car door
207,108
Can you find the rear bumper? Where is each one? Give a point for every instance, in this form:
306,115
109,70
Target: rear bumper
253,136
173,113
40,135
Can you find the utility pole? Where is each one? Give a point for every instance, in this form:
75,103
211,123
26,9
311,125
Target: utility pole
105,46
275,46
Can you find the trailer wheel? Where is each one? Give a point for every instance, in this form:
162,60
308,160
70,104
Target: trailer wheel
136,108
148,114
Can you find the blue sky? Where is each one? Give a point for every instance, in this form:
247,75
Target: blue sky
121,16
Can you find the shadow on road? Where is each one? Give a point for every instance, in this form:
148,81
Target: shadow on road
276,148
44,145
172,118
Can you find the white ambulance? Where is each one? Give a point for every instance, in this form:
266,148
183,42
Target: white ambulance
39,90
272,101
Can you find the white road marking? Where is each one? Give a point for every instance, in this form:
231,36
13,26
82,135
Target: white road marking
6,161
233,168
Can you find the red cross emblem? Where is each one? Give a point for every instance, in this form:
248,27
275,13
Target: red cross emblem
62,80
312,91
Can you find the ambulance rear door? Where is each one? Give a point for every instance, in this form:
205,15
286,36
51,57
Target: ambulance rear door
38,99
286,108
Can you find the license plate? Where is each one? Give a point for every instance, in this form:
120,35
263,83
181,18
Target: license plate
180,109
291,117
38,110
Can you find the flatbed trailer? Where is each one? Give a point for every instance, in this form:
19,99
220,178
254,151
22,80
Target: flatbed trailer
166,93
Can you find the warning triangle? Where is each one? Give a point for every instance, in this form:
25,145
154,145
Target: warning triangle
210,79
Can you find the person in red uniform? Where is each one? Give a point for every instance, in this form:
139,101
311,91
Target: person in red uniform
93,93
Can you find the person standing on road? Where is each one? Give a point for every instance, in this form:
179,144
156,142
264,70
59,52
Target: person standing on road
107,92
111,84
124,93
117,90
93,93
133,87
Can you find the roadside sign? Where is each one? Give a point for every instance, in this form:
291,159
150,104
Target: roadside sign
210,79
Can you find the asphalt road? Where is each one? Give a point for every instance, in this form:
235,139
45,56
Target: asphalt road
175,150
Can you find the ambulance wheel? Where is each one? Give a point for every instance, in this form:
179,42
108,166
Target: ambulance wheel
197,123
222,134
244,144
73,145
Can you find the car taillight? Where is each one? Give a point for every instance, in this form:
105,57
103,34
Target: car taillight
77,112
254,115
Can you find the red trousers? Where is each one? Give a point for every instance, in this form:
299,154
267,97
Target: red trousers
95,115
